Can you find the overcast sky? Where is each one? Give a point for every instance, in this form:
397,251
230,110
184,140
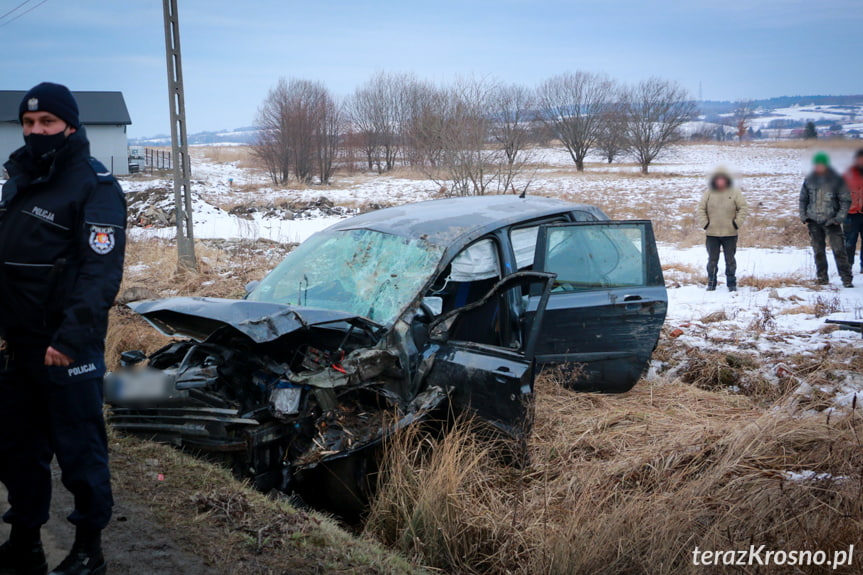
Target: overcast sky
235,50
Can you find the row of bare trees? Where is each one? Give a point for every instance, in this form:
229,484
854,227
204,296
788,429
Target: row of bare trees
299,132
588,111
474,136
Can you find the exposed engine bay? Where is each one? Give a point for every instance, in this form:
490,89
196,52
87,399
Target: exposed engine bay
299,398
275,410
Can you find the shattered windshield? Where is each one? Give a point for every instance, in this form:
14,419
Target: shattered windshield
362,272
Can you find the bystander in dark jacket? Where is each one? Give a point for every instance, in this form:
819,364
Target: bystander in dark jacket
824,204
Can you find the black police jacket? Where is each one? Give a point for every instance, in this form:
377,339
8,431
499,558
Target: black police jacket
62,242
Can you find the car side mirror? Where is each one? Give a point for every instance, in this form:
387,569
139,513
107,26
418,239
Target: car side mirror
434,305
250,287
130,358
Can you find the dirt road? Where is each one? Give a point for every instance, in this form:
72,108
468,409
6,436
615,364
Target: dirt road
134,543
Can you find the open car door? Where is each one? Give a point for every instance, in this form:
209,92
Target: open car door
494,382
607,304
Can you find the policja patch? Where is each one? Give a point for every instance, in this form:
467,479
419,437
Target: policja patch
102,239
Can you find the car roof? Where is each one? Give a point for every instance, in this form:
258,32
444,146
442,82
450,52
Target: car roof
447,221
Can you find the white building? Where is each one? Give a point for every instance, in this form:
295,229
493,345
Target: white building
103,114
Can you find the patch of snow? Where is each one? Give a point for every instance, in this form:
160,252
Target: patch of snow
809,475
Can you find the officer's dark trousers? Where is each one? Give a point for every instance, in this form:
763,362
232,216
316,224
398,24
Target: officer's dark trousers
42,414
853,229
819,235
728,246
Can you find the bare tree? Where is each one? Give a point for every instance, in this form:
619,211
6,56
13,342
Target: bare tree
378,110
327,133
744,111
298,124
424,128
271,145
466,159
473,136
611,140
511,108
360,112
655,111
572,106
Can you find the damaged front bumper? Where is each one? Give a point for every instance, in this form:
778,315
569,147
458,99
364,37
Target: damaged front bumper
276,402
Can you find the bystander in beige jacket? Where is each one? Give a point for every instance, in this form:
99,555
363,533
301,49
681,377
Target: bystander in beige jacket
722,212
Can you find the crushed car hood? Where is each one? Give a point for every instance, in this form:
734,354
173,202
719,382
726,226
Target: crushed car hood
200,317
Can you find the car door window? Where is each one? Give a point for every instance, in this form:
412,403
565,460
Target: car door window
608,302
523,240
595,256
468,278
524,246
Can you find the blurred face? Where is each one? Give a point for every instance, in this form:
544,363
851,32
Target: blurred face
820,169
720,183
859,162
44,124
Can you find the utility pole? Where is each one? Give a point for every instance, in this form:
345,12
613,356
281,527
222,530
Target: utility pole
179,148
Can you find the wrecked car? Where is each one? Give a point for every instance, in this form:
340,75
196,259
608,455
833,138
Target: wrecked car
388,319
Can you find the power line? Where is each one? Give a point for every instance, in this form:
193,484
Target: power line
15,8
25,12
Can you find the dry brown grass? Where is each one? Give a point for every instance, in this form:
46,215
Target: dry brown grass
824,305
724,372
766,230
821,305
227,154
677,273
627,484
817,144
774,281
715,317
762,229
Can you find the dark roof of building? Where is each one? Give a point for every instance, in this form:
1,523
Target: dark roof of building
94,108
458,220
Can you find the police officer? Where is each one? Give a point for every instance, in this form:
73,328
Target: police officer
62,240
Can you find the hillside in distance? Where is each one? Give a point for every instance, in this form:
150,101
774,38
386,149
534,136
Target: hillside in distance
790,111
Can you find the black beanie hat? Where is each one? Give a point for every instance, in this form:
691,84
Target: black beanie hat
53,98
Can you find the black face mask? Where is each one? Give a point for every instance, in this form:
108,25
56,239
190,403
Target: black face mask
41,145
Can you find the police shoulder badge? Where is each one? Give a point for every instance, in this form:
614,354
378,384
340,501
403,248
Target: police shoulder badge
102,239
33,104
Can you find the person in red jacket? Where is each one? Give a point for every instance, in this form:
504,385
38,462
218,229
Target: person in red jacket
853,226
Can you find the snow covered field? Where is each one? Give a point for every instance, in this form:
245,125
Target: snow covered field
793,326
777,313
771,176
845,114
